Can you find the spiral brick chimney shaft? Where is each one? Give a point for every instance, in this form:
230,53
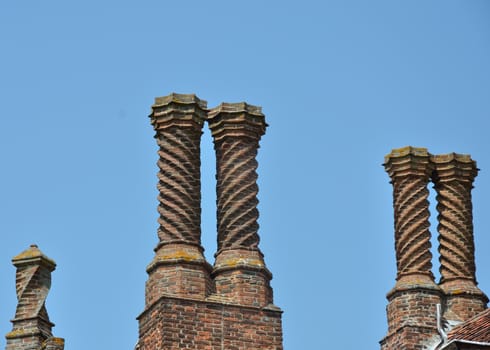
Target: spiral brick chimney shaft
31,325
413,300
453,180
179,267
237,129
410,170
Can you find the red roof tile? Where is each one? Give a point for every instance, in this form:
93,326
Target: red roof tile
476,329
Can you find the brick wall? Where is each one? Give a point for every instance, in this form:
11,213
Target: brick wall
176,323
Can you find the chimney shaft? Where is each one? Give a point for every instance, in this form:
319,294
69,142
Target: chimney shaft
409,170
453,180
179,267
412,302
31,325
239,271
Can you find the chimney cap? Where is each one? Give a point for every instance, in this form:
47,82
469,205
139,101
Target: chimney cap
33,256
454,166
408,161
406,151
238,107
236,119
185,110
179,99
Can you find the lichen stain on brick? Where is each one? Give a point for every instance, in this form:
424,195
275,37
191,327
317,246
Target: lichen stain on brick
243,261
180,255
16,333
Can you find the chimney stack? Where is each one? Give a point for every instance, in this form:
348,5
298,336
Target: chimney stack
412,303
179,267
453,180
189,303
239,270
31,326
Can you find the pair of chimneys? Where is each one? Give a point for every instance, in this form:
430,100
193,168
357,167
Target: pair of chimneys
179,268
413,301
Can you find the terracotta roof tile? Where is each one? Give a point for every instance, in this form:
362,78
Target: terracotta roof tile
476,329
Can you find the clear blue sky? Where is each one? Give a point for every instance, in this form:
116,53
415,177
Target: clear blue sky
341,84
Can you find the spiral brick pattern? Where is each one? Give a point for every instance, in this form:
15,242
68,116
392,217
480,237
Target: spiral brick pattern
179,268
455,228
412,236
179,185
31,325
237,194
236,129
415,299
189,303
412,302
31,294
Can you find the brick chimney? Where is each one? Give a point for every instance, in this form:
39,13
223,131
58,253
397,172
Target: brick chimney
412,316
412,302
189,304
179,267
239,270
453,180
31,326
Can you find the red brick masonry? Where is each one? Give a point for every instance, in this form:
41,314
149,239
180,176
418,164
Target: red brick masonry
176,323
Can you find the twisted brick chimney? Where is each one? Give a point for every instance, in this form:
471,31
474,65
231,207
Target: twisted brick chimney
239,270
412,303
179,267
31,326
453,180
190,304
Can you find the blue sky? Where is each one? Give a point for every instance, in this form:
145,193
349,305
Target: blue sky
341,83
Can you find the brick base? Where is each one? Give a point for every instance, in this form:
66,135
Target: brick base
240,277
178,270
410,338
176,323
463,299
411,311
